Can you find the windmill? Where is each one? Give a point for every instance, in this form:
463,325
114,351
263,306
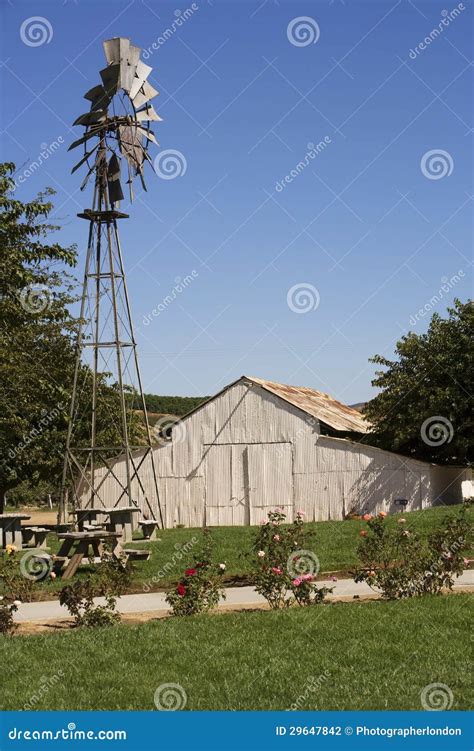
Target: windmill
116,139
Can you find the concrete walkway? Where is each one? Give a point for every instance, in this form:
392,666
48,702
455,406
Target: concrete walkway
236,598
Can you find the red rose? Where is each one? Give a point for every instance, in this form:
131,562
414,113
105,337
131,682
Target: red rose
181,589
190,571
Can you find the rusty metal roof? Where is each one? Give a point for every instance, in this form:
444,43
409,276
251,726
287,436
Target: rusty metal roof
322,406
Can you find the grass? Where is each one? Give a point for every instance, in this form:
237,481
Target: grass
360,656
335,544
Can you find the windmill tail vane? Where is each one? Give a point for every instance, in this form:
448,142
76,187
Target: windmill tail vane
110,451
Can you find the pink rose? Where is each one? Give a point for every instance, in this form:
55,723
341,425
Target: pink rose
367,517
276,570
297,582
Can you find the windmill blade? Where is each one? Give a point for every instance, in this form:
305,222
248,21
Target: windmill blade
148,113
113,180
86,179
89,134
147,134
141,74
91,118
145,93
134,58
131,145
85,158
119,50
111,79
112,49
98,96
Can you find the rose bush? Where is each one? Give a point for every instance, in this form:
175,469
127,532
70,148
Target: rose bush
284,571
109,580
199,589
396,561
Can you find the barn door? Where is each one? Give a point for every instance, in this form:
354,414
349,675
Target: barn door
226,482
270,472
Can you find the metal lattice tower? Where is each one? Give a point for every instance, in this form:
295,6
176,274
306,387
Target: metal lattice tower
107,380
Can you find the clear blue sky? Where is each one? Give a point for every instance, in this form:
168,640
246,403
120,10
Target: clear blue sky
361,223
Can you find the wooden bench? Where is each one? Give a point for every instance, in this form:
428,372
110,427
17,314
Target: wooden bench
34,537
135,554
148,527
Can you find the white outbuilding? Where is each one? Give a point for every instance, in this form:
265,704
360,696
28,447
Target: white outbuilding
257,445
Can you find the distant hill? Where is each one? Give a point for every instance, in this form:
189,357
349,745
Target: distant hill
173,405
359,406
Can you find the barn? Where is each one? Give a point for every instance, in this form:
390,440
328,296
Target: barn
257,445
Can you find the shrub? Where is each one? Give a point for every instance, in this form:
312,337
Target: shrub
199,588
284,571
396,561
109,580
14,584
7,608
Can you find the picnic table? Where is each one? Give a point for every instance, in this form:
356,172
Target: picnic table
75,547
10,529
121,521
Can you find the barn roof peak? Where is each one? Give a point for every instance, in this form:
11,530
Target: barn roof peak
317,404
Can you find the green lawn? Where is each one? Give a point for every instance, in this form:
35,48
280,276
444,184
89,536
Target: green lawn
335,544
374,655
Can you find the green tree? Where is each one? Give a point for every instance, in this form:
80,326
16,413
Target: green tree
425,406
37,350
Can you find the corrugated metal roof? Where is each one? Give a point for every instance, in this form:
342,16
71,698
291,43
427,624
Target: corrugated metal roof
322,406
